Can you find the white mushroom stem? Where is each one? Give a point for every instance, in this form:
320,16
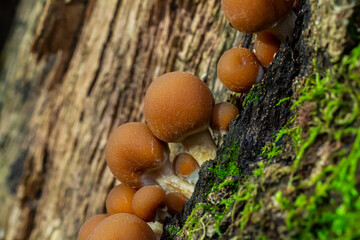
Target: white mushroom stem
201,146
219,136
168,180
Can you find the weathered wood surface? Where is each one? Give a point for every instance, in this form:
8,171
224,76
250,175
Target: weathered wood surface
74,70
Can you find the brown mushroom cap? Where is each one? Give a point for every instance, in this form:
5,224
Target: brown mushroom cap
265,46
175,202
184,164
239,69
146,200
223,114
252,16
89,226
122,226
131,150
177,105
119,200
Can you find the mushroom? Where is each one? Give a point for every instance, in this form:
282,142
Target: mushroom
89,225
186,166
252,16
223,114
122,226
146,200
137,158
175,202
178,108
119,200
239,69
266,45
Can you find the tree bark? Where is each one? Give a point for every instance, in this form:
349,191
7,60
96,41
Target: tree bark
67,84
73,70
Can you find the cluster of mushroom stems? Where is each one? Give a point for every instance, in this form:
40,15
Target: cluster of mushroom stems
180,108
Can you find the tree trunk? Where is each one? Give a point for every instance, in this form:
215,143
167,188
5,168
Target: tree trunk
73,70
66,85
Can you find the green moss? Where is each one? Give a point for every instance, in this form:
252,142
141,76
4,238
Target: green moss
325,205
253,95
224,171
217,212
283,100
230,169
275,148
320,202
332,210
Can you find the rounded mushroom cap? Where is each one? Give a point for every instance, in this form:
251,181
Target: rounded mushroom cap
146,200
184,164
252,16
175,202
223,114
119,200
239,69
177,105
133,149
89,226
122,226
265,46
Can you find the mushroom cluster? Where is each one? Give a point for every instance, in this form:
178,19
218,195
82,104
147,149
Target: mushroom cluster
239,68
180,108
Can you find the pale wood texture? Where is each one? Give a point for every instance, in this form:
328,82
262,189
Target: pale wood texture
95,61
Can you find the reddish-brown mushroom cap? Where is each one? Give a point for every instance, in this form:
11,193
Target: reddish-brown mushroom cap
119,200
266,45
177,108
177,105
223,114
122,226
131,150
146,200
239,69
252,16
89,226
184,165
175,202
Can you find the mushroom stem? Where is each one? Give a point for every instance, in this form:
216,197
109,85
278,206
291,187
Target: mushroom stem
168,180
201,146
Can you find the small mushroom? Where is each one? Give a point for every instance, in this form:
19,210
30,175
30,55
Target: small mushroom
175,202
223,114
89,225
178,108
137,158
239,69
266,45
146,200
119,200
122,226
253,16
184,165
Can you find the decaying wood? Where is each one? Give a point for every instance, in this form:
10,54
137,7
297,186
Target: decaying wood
73,70
83,67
